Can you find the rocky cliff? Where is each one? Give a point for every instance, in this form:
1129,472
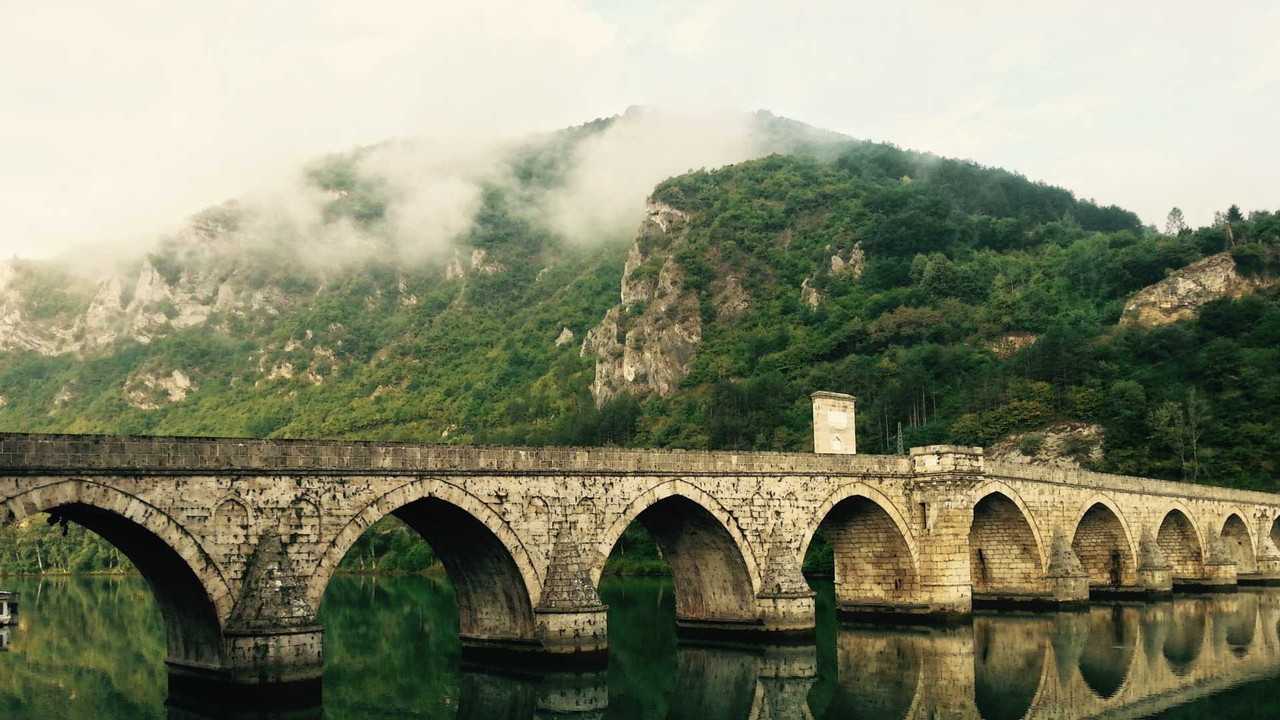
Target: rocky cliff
140,301
646,342
1063,444
1180,296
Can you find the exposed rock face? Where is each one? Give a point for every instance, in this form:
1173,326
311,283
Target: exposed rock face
1009,344
850,263
732,299
1179,296
564,338
454,269
148,390
481,263
809,294
645,344
17,330
143,303
1065,444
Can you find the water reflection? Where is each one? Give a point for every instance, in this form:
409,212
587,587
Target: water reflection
1008,664
95,649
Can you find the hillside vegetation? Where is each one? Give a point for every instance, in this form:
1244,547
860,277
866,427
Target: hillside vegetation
962,303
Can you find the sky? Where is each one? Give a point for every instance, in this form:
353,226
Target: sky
118,120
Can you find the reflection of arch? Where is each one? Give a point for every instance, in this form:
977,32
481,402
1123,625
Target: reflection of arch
1180,543
495,582
1009,666
1185,636
1239,543
188,586
689,492
880,673
1238,622
875,561
709,567
1005,552
713,682
1109,651
1103,543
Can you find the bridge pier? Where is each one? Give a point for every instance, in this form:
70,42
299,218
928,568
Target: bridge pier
1155,573
1267,565
1219,571
1068,581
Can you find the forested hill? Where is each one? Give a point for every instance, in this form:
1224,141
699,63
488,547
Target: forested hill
966,304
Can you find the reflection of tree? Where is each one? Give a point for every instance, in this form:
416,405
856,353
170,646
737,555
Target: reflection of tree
86,648
391,648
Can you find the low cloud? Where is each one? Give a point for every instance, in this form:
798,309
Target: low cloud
434,187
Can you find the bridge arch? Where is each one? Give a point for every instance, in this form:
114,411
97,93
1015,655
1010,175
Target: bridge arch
876,558
1103,542
1006,552
1274,532
1181,542
713,567
496,584
1237,538
193,596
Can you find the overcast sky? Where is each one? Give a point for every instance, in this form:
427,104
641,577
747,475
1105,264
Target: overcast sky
118,119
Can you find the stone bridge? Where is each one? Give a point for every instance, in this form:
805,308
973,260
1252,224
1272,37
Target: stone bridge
239,538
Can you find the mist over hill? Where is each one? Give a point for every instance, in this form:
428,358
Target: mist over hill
652,279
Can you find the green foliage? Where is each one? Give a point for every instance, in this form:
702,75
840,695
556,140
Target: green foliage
1030,444
389,546
33,546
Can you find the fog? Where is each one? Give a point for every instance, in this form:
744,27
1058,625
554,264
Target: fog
120,120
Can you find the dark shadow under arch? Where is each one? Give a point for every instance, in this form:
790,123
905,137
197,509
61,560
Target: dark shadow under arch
1103,547
1235,537
872,563
193,632
1275,532
493,603
1180,546
708,570
1003,555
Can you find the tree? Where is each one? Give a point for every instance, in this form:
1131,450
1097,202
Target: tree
1232,217
1175,223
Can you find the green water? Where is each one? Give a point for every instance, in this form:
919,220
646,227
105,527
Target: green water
94,648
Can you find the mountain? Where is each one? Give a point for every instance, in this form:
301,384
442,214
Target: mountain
528,293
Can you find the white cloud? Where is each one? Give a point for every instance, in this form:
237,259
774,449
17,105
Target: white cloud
119,119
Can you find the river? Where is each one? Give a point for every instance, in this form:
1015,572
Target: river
94,648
